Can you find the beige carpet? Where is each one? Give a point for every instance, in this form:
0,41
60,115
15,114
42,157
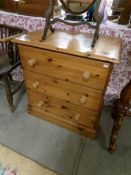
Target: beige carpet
12,163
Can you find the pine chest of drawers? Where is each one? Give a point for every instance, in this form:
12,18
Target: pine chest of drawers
66,79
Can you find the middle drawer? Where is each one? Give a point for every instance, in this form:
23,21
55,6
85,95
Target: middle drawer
69,92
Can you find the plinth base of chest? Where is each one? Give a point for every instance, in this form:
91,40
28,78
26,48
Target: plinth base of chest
90,133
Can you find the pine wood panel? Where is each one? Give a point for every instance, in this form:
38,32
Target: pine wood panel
85,72
91,133
26,7
63,109
79,44
63,90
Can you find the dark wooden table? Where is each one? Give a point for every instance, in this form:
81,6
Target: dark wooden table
121,109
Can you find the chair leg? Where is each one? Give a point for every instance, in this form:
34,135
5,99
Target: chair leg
118,116
8,93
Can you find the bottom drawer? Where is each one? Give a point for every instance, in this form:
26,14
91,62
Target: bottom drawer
62,113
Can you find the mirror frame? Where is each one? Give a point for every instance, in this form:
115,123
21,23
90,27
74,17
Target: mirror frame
74,12
97,16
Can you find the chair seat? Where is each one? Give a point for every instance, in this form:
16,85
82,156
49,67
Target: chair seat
4,62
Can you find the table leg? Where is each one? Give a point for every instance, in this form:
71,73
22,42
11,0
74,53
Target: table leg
120,110
118,116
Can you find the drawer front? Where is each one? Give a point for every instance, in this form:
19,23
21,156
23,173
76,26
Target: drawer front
69,92
91,133
64,110
74,69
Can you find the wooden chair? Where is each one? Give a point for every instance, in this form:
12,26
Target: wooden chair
122,107
9,60
121,10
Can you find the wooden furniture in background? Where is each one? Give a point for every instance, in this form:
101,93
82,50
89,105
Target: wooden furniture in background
33,7
79,1
1,4
122,107
8,5
9,60
26,7
123,8
66,79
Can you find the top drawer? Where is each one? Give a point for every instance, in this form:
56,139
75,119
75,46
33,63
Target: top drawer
71,68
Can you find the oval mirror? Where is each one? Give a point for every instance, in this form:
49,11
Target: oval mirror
77,6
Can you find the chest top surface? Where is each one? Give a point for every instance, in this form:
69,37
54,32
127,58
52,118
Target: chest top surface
106,48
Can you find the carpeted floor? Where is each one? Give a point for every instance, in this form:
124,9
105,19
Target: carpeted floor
64,152
12,163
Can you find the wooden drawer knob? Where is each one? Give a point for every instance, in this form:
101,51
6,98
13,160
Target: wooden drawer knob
83,99
35,84
39,104
77,117
32,62
86,75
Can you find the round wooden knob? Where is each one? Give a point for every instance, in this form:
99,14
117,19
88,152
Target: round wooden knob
77,117
32,62
83,99
35,84
40,104
86,75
